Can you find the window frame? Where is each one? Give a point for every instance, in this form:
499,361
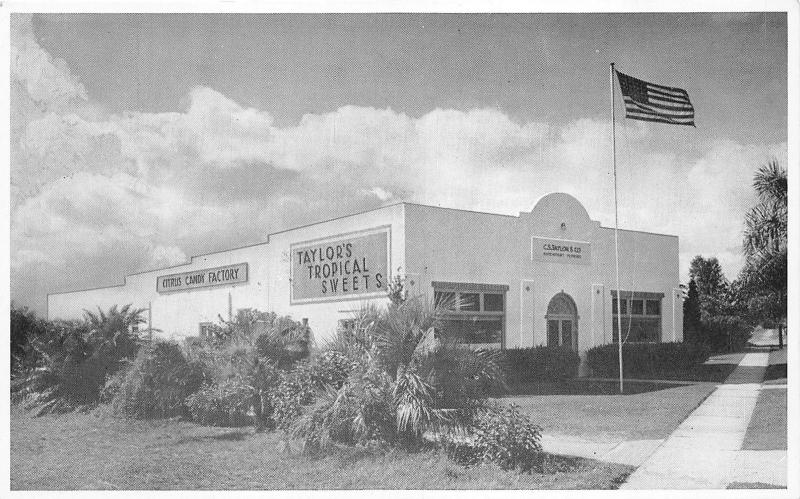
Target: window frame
458,314
203,329
627,314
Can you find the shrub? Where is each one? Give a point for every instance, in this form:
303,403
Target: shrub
65,375
157,383
503,436
331,368
113,385
254,349
24,326
540,363
404,380
647,360
223,404
66,364
361,411
295,389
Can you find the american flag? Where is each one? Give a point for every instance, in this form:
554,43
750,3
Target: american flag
650,102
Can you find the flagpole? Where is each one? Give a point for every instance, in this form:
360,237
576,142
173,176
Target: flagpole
616,227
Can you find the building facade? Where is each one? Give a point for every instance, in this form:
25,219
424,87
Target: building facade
541,278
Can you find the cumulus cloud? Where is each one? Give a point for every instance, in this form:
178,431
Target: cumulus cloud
46,80
101,195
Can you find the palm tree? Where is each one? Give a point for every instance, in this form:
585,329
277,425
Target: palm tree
765,244
253,346
115,329
412,376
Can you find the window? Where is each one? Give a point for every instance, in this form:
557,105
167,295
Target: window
476,312
493,302
470,302
446,299
135,328
641,316
205,329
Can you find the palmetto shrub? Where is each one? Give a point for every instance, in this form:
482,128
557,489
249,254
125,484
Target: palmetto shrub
222,404
359,412
72,360
405,380
157,383
254,350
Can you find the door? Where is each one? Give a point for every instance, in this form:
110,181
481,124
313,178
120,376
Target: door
562,322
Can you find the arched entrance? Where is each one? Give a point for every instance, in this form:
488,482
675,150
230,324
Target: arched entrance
562,322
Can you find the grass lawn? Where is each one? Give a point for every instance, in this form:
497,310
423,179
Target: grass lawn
767,429
96,451
776,372
646,411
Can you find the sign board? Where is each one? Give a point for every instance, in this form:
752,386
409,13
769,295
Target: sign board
545,249
203,278
345,267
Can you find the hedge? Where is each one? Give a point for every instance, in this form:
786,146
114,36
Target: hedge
540,363
647,360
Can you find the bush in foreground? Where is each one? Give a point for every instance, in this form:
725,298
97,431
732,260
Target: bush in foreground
224,404
67,362
502,435
256,350
408,377
647,360
540,363
157,383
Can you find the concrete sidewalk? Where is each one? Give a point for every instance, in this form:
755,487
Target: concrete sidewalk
703,452
631,452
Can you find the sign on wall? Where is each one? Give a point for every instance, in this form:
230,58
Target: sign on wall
203,278
560,251
345,267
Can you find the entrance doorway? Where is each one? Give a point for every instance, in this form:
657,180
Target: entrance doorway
562,322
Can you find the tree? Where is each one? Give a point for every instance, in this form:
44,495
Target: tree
720,308
691,313
708,276
764,276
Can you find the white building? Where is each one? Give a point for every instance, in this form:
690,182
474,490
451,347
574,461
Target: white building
544,277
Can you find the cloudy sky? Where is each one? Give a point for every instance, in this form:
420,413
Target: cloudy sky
140,140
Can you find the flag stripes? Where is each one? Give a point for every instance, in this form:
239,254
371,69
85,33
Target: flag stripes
650,102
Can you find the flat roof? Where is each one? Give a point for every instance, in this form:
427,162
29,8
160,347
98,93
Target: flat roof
191,258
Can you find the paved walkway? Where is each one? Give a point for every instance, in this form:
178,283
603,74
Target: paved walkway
631,452
703,452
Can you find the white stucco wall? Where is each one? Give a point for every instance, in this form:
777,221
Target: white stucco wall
459,246
426,244
178,314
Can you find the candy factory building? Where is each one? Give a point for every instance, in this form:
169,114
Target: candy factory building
544,277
